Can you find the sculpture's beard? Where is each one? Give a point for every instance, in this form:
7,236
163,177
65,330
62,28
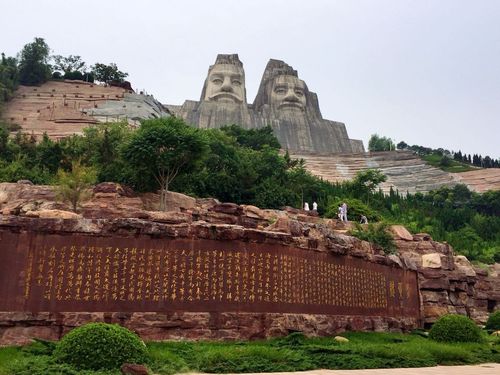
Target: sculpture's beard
291,106
225,97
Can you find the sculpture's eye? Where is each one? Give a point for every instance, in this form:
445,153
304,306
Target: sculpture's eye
299,93
236,82
280,90
217,81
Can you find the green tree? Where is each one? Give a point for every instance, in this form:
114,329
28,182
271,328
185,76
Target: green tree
34,68
162,148
378,143
402,145
69,64
445,161
256,139
73,186
366,181
9,78
108,73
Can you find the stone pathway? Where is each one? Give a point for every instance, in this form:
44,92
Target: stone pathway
483,369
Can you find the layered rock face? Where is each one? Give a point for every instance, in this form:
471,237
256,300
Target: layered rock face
447,283
283,101
405,171
481,180
63,108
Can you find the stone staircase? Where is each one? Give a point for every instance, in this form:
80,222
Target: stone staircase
405,171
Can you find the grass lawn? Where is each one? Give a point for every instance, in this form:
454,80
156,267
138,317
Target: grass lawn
292,353
454,167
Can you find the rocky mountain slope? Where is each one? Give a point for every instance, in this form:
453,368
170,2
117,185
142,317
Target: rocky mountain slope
62,108
405,171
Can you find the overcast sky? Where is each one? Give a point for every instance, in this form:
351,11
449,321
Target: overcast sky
426,72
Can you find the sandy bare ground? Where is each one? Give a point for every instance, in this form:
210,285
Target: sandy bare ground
483,369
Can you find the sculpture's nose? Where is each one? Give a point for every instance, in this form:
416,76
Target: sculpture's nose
291,96
226,85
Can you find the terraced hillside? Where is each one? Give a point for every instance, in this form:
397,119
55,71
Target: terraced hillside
405,171
481,180
62,108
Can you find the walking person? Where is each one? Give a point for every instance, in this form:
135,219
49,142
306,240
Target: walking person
344,212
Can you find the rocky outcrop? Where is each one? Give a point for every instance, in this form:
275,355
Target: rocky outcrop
448,283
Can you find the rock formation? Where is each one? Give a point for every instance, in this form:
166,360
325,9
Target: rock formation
283,101
63,108
447,283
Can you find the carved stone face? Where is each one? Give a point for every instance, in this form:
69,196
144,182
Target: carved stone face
225,83
288,93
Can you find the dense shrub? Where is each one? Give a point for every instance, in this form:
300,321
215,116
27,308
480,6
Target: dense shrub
250,358
493,322
455,328
377,234
355,208
100,346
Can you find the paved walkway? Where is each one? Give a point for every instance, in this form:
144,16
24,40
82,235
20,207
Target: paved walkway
484,369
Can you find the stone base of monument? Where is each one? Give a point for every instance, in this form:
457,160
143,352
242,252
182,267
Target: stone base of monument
19,328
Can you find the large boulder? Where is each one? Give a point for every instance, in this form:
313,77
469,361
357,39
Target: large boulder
54,214
432,260
463,264
399,232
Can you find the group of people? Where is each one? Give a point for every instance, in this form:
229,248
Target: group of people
342,212
306,206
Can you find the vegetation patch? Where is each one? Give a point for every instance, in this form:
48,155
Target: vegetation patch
292,353
447,164
377,234
96,346
493,323
455,328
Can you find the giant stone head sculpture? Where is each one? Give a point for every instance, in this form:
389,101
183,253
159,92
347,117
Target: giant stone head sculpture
225,82
282,92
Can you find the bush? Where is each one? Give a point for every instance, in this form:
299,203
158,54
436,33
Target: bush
97,346
250,358
378,234
355,208
455,328
493,322
44,365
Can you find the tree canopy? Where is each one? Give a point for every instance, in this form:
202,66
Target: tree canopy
162,148
378,143
34,67
69,64
108,73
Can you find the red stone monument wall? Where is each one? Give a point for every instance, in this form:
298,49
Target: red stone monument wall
81,273
61,277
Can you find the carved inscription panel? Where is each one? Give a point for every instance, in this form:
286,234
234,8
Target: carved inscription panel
80,273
